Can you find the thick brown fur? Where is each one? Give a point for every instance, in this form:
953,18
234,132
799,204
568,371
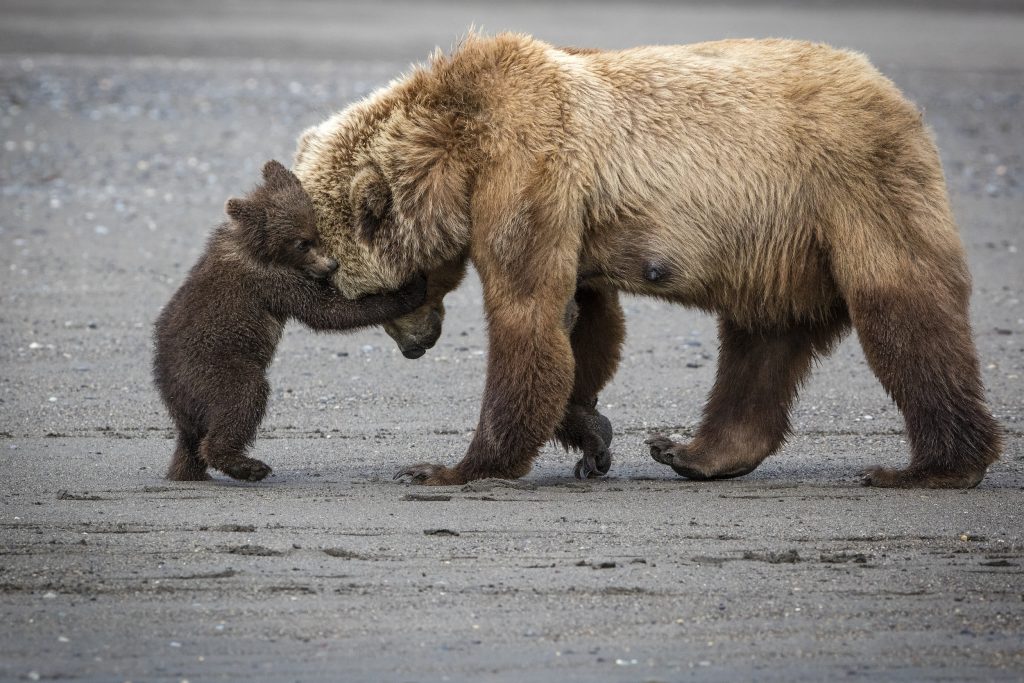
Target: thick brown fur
786,186
217,335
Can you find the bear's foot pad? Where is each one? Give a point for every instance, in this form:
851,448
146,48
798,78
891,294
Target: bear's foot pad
429,474
884,477
697,466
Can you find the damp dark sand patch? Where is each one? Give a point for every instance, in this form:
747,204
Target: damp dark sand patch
251,549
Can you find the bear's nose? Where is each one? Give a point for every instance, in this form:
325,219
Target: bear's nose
332,265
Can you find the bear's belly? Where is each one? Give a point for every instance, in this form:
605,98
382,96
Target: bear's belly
749,283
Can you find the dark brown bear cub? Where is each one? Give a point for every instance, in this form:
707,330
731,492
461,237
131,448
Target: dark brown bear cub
217,335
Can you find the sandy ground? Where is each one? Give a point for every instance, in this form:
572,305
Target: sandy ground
117,161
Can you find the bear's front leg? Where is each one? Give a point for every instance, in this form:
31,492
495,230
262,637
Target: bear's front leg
529,379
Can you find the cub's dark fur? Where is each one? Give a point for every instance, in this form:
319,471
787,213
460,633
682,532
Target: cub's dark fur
217,335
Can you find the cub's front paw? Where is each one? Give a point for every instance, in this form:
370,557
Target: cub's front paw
429,474
247,469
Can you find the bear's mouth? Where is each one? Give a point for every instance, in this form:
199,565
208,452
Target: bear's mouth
414,352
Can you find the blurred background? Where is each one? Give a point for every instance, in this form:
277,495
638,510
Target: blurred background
915,32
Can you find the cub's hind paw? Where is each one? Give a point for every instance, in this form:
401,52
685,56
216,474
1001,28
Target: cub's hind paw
429,474
247,469
190,475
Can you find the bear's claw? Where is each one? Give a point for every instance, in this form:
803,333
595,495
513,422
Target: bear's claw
662,449
591,465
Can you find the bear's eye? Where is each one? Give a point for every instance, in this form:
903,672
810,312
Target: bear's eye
304,245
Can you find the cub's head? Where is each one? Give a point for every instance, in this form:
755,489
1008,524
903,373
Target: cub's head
276,224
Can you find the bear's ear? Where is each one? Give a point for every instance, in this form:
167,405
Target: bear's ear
371,203
276,175
244,212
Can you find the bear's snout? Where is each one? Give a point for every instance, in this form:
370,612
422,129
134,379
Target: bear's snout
416,332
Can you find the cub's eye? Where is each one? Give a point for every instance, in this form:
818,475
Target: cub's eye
304,245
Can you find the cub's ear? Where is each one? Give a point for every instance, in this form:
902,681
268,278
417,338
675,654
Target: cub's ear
277,175
245,212
371,203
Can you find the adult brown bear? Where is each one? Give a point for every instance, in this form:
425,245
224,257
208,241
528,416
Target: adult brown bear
786,186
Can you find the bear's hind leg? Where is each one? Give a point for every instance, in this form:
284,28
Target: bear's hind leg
746,418
918,342
597,329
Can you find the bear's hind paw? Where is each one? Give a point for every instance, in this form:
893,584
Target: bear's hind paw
885,477
591,465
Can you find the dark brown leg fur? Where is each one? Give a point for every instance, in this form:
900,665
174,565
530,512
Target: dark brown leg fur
232,428
597,332
746,418
919,345
186,465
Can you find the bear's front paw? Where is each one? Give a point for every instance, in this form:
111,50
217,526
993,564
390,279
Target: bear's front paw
885,477
429,474
246,469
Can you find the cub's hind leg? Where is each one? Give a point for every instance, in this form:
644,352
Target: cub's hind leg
232,427
746,417
186,464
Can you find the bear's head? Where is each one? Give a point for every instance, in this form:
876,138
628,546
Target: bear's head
276,224
390,187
